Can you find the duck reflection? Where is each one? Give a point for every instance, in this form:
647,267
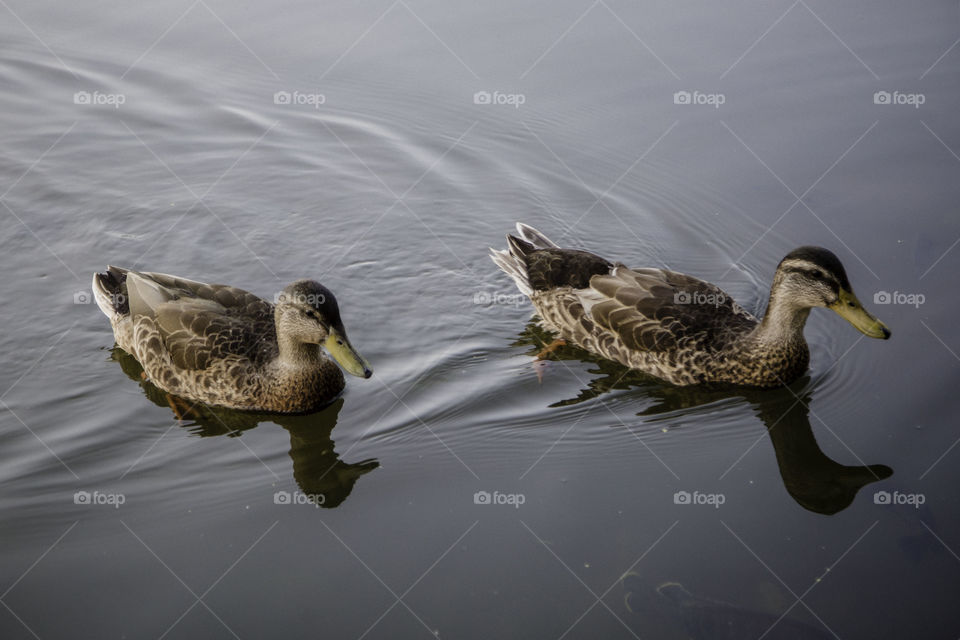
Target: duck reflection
814,480
317,468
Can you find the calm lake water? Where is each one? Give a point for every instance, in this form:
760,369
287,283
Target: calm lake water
467,490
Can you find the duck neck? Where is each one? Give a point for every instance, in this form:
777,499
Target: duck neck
293,352
783,322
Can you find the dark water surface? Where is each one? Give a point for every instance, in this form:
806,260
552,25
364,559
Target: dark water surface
354,143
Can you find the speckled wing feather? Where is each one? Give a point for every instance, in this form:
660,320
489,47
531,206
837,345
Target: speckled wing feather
659,310
202,323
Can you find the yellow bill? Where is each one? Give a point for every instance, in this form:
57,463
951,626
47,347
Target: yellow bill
343,352
849,308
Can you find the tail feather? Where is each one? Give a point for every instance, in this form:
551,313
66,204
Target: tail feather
513,266
534,237
513,259
110,292
519,248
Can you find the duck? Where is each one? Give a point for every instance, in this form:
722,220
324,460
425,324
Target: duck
673,326
220,345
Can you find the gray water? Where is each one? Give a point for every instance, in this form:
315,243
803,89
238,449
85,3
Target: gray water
353,143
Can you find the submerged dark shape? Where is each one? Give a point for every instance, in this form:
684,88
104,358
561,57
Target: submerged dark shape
317,468
705,618
814,480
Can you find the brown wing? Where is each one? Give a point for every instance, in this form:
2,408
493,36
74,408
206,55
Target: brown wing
195,337
201,323
658,310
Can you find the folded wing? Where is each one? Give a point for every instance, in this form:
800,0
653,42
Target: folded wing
658,310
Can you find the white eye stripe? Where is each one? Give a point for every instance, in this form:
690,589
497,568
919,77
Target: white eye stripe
809,269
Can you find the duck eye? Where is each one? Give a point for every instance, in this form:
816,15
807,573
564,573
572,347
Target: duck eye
313,314
818,275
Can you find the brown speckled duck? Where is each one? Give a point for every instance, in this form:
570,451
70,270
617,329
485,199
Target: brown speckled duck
221,345
677,327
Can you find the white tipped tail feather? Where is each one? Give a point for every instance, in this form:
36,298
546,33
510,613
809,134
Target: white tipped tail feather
512,260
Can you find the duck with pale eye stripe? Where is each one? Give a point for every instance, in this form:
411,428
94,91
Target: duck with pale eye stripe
677,327
223,346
